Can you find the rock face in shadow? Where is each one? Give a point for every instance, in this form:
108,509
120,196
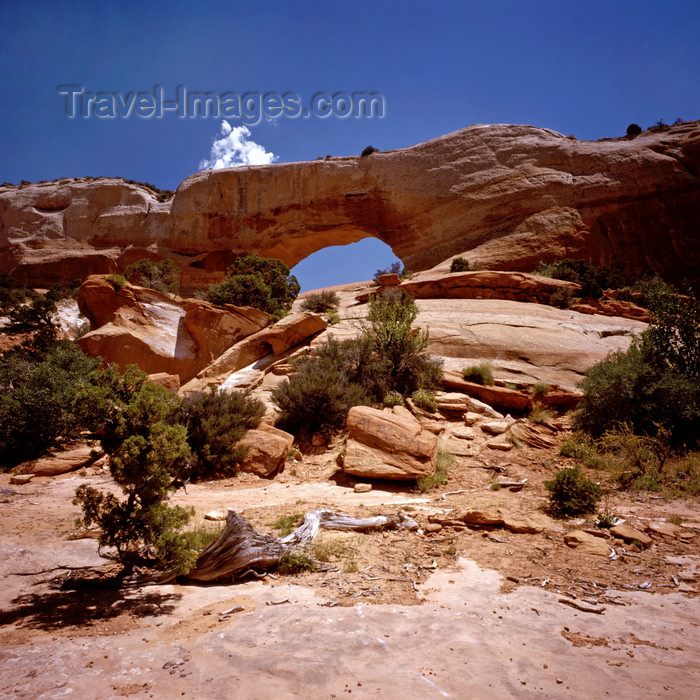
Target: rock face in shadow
158,332
505,196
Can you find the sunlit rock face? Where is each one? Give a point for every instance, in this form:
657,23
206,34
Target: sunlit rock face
505,196
158,332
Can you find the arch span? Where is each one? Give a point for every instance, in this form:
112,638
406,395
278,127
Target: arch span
343,264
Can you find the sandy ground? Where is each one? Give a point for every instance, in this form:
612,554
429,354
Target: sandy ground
458,613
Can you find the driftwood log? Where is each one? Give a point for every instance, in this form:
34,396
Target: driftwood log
240,548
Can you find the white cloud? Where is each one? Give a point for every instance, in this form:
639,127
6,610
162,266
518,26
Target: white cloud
233,148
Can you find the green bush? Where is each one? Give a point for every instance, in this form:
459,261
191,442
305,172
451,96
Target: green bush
369,150
425,399
215,422
445,461
633,130
39,400
387,358
399,353
459,265
540,389
148,456
117,281
393,398
396,268
656,383
593,280
570,493
163,276
264,283
479,374
321,302
318,396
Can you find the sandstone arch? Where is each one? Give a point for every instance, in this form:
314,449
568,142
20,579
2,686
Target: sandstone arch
507,195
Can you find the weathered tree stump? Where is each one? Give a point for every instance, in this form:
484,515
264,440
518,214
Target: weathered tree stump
240,548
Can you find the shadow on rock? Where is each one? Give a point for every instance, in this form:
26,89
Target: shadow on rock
83,601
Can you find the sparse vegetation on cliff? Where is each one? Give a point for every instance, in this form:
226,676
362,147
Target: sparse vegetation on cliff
321,302
593,280
459,264
162,275
389,358
264,283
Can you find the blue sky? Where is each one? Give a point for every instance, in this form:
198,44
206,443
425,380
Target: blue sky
586,68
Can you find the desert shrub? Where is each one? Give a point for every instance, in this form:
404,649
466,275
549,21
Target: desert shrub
445,461
479,374
264,283
582,447
655,383
633,130
425,399
215,422
321,302
388,357
163,276
562,298
369,150
541,414
459,265
39,392
148,455
635,461
117,281
571,493
333,317
593,280
318,396
540,389
11,292
292,563
393,398
400,351
396,268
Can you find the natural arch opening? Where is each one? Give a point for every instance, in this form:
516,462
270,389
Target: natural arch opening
344,264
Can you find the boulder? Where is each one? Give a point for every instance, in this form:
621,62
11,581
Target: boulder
503,196
611,307
169,381
388,444
499,443
630,534
533,434
456,402
495,427
162,334
268,448
500,518
668,531
62,462
389,280
587,544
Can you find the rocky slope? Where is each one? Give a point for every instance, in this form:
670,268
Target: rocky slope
504,195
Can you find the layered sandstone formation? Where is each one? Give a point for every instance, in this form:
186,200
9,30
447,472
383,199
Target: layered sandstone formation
159,332
505,196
